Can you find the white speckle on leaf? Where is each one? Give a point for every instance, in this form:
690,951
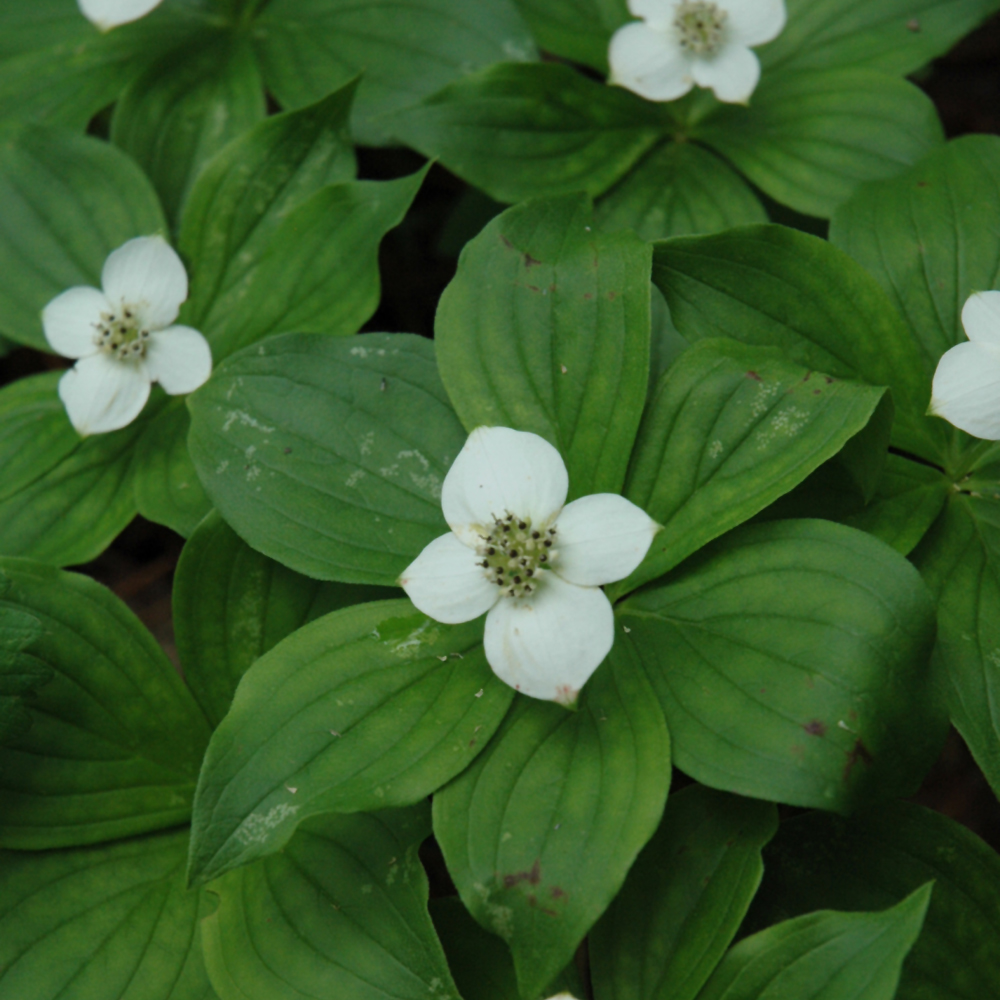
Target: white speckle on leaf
354,477
246,420
387,471
222,466
715,449
359,352
365,447
256,829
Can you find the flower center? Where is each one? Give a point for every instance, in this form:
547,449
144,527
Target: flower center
700,25
119,334
514,554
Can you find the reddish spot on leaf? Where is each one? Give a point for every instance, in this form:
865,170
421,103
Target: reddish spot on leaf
807,376
815,728
817,392
506,242
828,380
754,376
534,288
612,296
532,877
860,752
557,893
530,261
587,296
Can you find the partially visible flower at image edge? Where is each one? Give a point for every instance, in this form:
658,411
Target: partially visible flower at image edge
536,564
676,45
966,386
107,14
123,337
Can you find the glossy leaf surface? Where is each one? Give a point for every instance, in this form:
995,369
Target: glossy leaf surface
66,201
684,898
874,859
232,604
545,328
116,740
771,654
371,706
729,429
340,912
540,831
105,923
836,956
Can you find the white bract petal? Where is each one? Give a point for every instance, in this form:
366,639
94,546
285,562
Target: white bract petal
755,22
966,389
657,13
71,321
697,41
103,394
601,538
147,275
981,317
498,472
732,75
446,582
123,335
547,646
110,13
179,358
646,62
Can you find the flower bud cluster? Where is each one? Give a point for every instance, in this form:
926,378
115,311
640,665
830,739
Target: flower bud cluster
514,553
120,335
700,25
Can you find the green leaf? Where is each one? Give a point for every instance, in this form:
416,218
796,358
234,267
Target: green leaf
66,201
791,660
328,454
729,429
810,137
960,560
578,30
167,488
57,67
103,923
907,501
63,498
775,286
248,189
874,859
480,961
929,238
21,674
371,706
341,912
896,36
116,740
679,189
836,956
406,50
536,130
185,108
541,830
315,272
545,328
684,898
232,604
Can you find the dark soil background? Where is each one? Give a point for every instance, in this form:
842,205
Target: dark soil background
417,261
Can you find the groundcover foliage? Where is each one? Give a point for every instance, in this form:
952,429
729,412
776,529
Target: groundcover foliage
497,650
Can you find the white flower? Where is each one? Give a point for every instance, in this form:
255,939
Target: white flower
966,388
679,44
123,337
108,14
534,564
